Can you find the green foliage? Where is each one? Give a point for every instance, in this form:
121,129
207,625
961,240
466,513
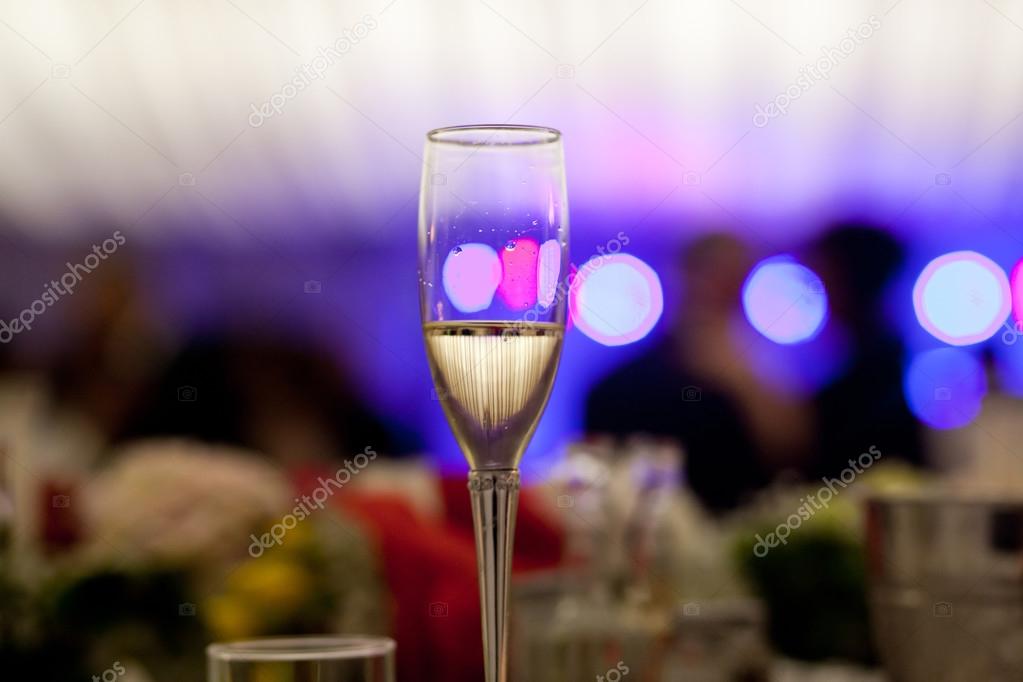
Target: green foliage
75,625
816,593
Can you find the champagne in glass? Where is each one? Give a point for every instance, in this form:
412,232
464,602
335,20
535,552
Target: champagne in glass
493,261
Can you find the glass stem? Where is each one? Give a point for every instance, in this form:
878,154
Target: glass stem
495,499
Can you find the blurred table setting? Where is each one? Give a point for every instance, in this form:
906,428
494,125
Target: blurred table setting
619,571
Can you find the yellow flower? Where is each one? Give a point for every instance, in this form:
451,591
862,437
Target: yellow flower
272,583
299,538
229,617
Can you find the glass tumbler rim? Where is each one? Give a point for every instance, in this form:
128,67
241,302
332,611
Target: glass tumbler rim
302,648
495,135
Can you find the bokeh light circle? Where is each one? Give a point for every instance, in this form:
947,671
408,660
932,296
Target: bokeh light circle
518,273
616,299
945,387
784,300
471,275
962,298
548,270
1016,287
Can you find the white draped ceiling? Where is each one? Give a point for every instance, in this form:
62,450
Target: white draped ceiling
142,111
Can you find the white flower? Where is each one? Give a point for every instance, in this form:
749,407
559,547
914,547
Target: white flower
180,501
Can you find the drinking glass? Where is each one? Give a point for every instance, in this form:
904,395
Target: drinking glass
493,261
303,659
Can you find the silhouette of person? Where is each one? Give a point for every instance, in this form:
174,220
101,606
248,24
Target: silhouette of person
864,405
664,391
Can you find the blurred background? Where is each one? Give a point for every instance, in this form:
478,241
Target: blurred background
797,230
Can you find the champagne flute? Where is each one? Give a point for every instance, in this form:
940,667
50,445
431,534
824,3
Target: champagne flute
493,261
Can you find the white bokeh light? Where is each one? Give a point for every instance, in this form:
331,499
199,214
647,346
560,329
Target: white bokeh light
962,298
616,300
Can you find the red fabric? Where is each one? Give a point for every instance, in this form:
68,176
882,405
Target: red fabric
538,542
61,524
430,570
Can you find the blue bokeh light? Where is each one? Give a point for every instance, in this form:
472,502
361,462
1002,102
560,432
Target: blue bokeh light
784,300
945,387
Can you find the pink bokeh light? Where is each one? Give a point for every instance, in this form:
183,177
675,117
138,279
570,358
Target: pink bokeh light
519,283
1016,290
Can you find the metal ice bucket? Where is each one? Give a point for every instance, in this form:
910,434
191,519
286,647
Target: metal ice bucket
946,586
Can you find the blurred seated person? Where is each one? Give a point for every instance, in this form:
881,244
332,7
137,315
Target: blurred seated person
284,398
111,349
714,269
115,378
864,405
697,387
